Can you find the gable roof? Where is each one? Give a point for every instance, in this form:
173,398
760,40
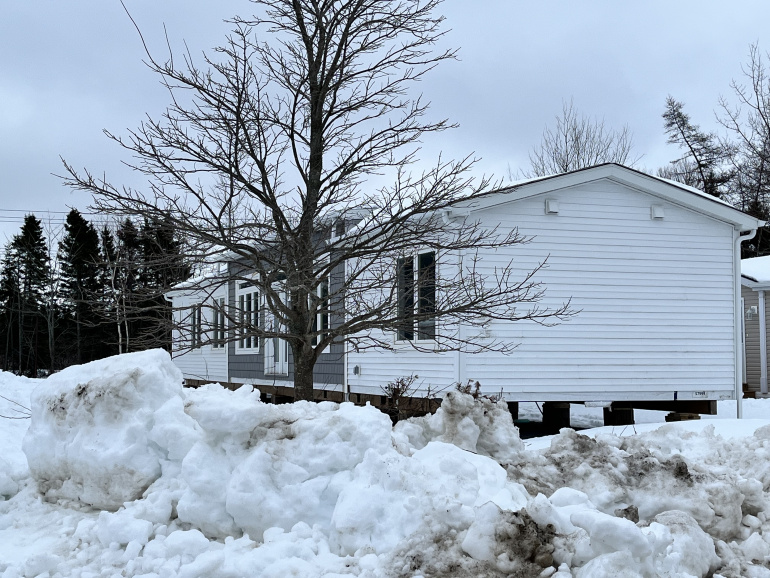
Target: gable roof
665,189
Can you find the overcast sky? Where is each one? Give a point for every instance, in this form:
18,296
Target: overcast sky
70,69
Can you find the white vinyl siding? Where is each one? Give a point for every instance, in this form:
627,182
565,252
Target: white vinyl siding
654,300
204,362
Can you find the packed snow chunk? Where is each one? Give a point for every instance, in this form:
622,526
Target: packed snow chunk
392,497
755,548
100,431
513,541
8,487
690,551
186,543
122,528
262,465
610,534
614,565
478,425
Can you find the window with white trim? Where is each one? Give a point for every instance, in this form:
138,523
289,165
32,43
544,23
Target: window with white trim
247,304
219,324
416,293
321,322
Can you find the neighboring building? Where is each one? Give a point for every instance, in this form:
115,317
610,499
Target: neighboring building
755,285
652,267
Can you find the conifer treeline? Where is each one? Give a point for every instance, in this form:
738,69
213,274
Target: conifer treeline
89,295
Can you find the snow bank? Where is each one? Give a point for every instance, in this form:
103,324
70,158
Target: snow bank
100,431
15,394
261,466
476,425
212,482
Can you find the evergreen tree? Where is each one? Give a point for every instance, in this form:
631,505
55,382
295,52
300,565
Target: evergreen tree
79,256
162,267
705,164
9,306
25,280
128,263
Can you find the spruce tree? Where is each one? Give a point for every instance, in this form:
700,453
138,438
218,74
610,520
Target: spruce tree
162,266
705,163
80,257
25,280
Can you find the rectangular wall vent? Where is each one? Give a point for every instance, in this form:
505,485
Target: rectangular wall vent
551,207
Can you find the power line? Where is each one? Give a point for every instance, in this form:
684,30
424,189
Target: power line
47,211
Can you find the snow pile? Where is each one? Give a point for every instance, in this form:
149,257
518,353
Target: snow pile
215,483
262,466
623,472
476,425
99,431
14,409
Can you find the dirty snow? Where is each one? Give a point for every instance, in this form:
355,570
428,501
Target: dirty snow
125,473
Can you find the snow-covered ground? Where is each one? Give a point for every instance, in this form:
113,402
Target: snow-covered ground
122,472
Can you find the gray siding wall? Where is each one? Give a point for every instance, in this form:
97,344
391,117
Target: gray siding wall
751,329
328,370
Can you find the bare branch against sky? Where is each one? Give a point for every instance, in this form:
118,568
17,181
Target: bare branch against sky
73,69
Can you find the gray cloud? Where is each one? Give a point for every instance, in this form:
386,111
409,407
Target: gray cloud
71,69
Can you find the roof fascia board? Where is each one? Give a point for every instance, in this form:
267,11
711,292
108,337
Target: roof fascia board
755,285
630,178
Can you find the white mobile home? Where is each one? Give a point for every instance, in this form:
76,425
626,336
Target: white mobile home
651,267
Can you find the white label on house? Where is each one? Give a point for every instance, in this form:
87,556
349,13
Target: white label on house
701,394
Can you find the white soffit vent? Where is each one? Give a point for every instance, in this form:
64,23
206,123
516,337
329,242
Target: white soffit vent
657,212
551,207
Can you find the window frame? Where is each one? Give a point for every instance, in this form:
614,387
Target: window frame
322,318
196,326
247,292
219,324
413,294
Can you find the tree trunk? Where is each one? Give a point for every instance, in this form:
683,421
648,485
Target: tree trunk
77,333
303,372
51,319
21,335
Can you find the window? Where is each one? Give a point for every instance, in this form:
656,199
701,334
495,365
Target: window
219,323
321,322
416,297
196,331
247,299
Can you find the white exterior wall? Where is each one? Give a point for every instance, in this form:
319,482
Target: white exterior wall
655,301
205,363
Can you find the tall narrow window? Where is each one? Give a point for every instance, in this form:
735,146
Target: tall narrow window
405,273
219,323
426,296
196,331
247,299
321,322
416,278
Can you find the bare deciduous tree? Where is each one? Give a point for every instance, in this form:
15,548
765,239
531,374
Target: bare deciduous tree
748,122
577,142
262,161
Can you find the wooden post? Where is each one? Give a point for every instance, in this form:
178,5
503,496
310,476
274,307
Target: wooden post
555,415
